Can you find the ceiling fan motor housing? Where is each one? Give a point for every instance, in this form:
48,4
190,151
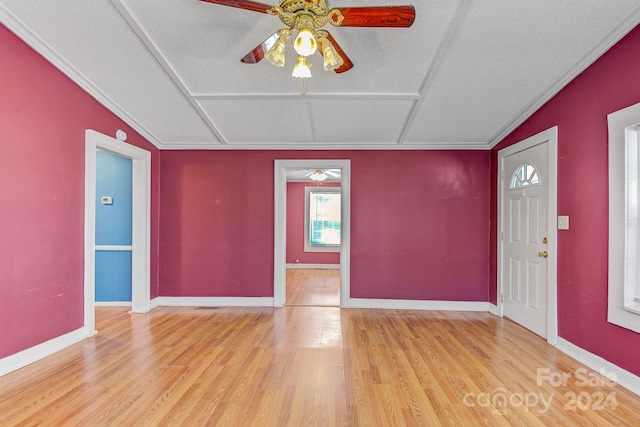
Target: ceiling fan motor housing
316,11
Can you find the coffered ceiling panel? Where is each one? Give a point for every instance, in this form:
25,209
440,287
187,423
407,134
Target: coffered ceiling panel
312,123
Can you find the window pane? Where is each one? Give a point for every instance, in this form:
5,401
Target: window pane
324,218
523,176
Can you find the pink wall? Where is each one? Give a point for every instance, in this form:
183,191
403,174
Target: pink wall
43,117
580,112
295,227
420,223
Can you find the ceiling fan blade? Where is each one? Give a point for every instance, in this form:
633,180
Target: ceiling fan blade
376,16
243,4
258,53
330,172
347,64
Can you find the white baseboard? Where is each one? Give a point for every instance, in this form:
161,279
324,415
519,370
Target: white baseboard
315,266
626,379
153,303
214,301
493,309
419,304
40,351
113,304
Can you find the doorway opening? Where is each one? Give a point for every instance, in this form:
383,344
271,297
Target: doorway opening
140,224
313,238
282,295
114,185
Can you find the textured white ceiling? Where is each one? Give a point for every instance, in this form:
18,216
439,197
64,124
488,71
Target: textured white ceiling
464,75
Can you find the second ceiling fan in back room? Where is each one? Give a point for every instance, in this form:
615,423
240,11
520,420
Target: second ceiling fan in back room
320,175
307,17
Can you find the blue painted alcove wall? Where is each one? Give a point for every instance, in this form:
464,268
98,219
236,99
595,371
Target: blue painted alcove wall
114,178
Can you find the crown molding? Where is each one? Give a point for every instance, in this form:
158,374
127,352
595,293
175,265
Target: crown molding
592,56
320,146
20,29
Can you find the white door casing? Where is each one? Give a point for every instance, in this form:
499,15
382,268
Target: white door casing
280,226
527,215
140,226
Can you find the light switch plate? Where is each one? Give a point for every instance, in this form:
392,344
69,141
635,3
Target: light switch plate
563,222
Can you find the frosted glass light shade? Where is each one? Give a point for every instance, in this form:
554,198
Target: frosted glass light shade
301,69
332,60
318,176
275,55
305,44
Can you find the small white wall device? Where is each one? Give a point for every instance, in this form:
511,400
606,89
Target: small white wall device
107,200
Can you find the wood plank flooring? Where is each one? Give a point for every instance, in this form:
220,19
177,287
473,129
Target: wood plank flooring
309,366
317,287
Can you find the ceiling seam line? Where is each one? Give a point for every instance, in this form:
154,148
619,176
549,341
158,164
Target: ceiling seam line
452,34
391,97
172,74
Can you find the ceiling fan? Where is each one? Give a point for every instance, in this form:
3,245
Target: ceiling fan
308,17
322,174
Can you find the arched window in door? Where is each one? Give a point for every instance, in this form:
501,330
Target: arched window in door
525,175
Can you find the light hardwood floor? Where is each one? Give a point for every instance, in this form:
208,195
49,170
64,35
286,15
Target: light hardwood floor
308,366
317,287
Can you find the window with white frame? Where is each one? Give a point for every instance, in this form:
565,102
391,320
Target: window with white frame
322,219
525,175
624,218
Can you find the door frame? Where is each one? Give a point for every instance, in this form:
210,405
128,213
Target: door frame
140,225
280,226
550,137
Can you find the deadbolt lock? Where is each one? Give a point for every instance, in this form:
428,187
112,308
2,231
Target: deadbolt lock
544,240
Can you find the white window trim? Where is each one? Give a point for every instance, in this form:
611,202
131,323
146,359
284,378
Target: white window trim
622,309
308,247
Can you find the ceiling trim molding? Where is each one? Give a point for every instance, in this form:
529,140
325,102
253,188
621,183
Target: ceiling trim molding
160,59
449,40
592,56
329,146
20,29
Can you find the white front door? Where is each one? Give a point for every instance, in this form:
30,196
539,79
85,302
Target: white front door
525,237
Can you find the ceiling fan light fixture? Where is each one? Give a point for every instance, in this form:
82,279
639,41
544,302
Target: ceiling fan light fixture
308,17
276,53
305,44
318,176
301,69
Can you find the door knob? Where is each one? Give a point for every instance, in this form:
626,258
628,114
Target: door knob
543,254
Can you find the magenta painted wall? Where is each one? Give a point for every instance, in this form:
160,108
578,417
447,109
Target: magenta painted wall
580,112
429,211
420,223
295,227
43,117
